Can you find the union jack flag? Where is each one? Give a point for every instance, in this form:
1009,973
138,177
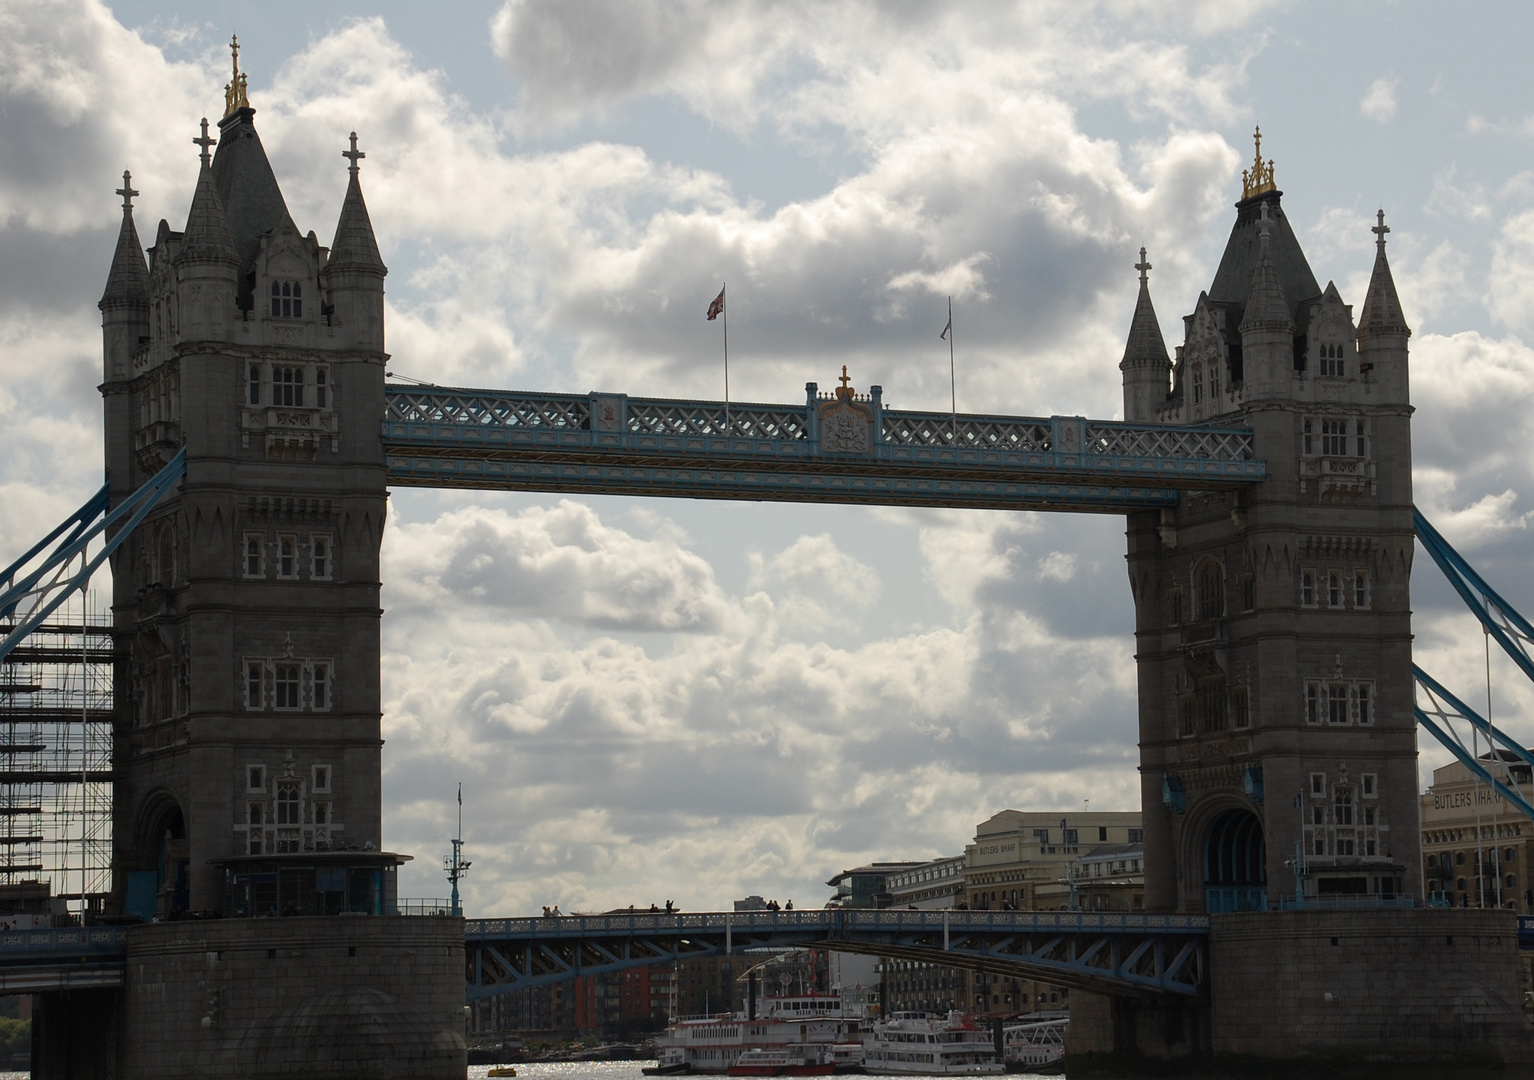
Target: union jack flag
716,307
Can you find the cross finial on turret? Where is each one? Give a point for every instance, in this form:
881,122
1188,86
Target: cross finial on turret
1259,178
126,191
845,379
1142,266
354,154
1380,230
205,141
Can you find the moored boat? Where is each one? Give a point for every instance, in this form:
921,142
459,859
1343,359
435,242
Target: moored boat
917,1043
1036,1046
810,1029
778,1061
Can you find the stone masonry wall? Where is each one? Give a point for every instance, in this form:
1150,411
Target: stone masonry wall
317,998
1421,984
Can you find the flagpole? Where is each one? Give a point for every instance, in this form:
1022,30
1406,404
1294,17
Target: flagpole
726,313
953,389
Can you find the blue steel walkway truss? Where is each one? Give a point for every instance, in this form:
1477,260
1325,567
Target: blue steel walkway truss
619,445
1108,954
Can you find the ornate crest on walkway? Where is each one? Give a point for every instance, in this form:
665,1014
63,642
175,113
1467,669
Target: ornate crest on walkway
846,421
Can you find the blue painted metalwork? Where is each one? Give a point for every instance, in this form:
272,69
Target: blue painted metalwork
37,960
615,444
1510,629
1443,709
30,593
1516,636
1109,954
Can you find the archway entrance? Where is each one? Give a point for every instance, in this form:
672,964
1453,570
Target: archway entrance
1235,864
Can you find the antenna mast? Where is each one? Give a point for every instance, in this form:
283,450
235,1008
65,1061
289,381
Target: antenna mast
455,864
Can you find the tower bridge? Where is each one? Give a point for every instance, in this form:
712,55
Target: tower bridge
250,440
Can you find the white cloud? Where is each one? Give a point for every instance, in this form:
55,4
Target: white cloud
1379,101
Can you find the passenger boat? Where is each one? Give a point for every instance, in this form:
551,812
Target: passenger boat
810,1029
914,1042
1035,1046
780,1062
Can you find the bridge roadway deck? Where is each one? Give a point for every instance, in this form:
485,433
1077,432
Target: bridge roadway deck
614,444
1121,955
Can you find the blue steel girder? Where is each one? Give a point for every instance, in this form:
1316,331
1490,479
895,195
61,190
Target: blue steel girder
615,444
1119,955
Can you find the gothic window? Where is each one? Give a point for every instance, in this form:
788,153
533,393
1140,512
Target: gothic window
1174,606
1248,586
1361,589
1198,383
1369,782
288,386
287,557
1240,708
1337,703
253,843
1214,707
1307,588
255,814
322,813
1361,703
1309,431
288,803
1369,813
321,386
1344,845
320,684
322,778
255,778
286,685
1359,431
253,567
253,687
1319,845
1331,361
287,300
1211,591
1189,717
1312,703
255,384
319,557
1342,806
1334,588
1334,438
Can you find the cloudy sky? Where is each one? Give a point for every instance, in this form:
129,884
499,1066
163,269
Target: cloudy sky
671,700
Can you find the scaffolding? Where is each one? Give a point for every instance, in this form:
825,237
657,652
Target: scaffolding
56,712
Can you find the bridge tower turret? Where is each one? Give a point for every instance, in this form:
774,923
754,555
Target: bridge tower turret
1145,365
248,605
1278,743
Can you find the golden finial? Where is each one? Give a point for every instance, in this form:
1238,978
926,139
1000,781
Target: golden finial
844,390
1259,178
234,90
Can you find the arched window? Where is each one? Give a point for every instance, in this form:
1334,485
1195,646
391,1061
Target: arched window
1211,590
1198,383
288,386
1342,806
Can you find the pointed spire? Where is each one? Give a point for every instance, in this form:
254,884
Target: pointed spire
207,237
1382,307
128,283
355,247
1266,307
1145,344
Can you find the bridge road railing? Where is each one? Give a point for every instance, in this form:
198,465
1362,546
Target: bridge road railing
34,961
1120,955
615,444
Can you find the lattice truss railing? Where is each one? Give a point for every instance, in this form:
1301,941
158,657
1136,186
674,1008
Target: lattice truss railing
511,411
1447,718
941,430
1112,954
61,564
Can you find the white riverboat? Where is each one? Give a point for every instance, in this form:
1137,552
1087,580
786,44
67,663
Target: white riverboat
1037,1045
917,1042
794,1035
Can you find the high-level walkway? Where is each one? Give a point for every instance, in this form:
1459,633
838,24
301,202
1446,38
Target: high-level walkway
614,444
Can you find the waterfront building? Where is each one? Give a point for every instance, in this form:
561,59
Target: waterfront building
1020,861
1108,878
907,985
1477,849
865,886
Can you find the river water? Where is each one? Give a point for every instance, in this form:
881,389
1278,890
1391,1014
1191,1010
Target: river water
553,1070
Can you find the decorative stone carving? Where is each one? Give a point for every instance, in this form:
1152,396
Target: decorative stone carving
846,423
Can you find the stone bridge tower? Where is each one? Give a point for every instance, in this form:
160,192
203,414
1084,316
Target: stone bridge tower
1277,739
247,607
